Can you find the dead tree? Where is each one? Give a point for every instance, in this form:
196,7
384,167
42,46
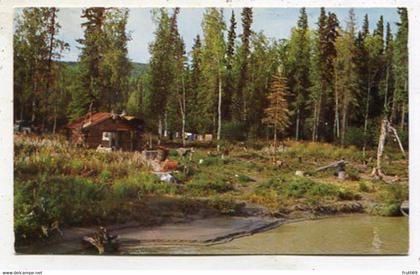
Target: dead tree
386,129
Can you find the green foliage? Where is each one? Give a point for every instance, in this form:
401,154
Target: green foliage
203,184
366,187
234,131
300,187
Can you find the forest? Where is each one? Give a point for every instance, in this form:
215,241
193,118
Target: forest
332,83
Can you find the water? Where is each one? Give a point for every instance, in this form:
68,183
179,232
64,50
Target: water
356,234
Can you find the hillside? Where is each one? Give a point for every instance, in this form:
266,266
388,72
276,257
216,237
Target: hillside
137,70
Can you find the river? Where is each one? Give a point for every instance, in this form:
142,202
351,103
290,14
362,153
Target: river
353,234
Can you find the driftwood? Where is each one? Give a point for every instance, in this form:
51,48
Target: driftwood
385,129
101,240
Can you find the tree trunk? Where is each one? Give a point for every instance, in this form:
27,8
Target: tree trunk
366,118
182,107
403,108
50,54
21,111
336,129
377,171
297,124
343,125
386,89
275,141
165,130
160,126
219,110
55,119
315,122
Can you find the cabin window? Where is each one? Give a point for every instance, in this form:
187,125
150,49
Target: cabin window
108,139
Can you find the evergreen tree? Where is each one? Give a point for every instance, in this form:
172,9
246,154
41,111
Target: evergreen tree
264,61
160,69
300,67
115,67
178,60
93,48
321,74
195,85
229,82
389,72
400,98
346,77
241,105
330,106
276,114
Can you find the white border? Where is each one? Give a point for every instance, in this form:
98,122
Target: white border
9,261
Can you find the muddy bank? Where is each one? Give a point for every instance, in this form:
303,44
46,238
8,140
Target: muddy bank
197,232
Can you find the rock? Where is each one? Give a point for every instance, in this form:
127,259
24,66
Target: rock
166,177
299,173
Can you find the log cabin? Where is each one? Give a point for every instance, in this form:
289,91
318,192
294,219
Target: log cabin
106,130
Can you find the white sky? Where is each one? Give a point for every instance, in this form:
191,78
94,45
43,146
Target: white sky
274,22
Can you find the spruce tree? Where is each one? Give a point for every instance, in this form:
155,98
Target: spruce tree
229,82
300,57
241,103
276,114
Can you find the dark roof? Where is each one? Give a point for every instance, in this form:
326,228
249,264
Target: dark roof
86,121
94,119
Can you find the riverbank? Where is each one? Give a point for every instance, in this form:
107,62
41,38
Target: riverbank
234,235
59,186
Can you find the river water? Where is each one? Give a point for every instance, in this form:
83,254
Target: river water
355,234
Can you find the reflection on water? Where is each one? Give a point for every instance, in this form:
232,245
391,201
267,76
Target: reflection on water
358,234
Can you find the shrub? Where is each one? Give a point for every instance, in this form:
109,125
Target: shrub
365,187
393,194
391,209
104,176
356,136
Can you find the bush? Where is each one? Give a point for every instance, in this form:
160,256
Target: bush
365,187
391,209
355,136
45,200
393,194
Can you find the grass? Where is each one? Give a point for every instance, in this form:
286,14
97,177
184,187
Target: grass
56,182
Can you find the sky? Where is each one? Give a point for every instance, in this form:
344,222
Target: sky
274,22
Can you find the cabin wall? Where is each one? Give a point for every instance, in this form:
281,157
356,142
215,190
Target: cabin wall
127,140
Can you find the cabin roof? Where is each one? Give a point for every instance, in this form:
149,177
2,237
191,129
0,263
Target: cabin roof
88,121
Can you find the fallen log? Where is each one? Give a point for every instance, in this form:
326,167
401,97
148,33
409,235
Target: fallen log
340,165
